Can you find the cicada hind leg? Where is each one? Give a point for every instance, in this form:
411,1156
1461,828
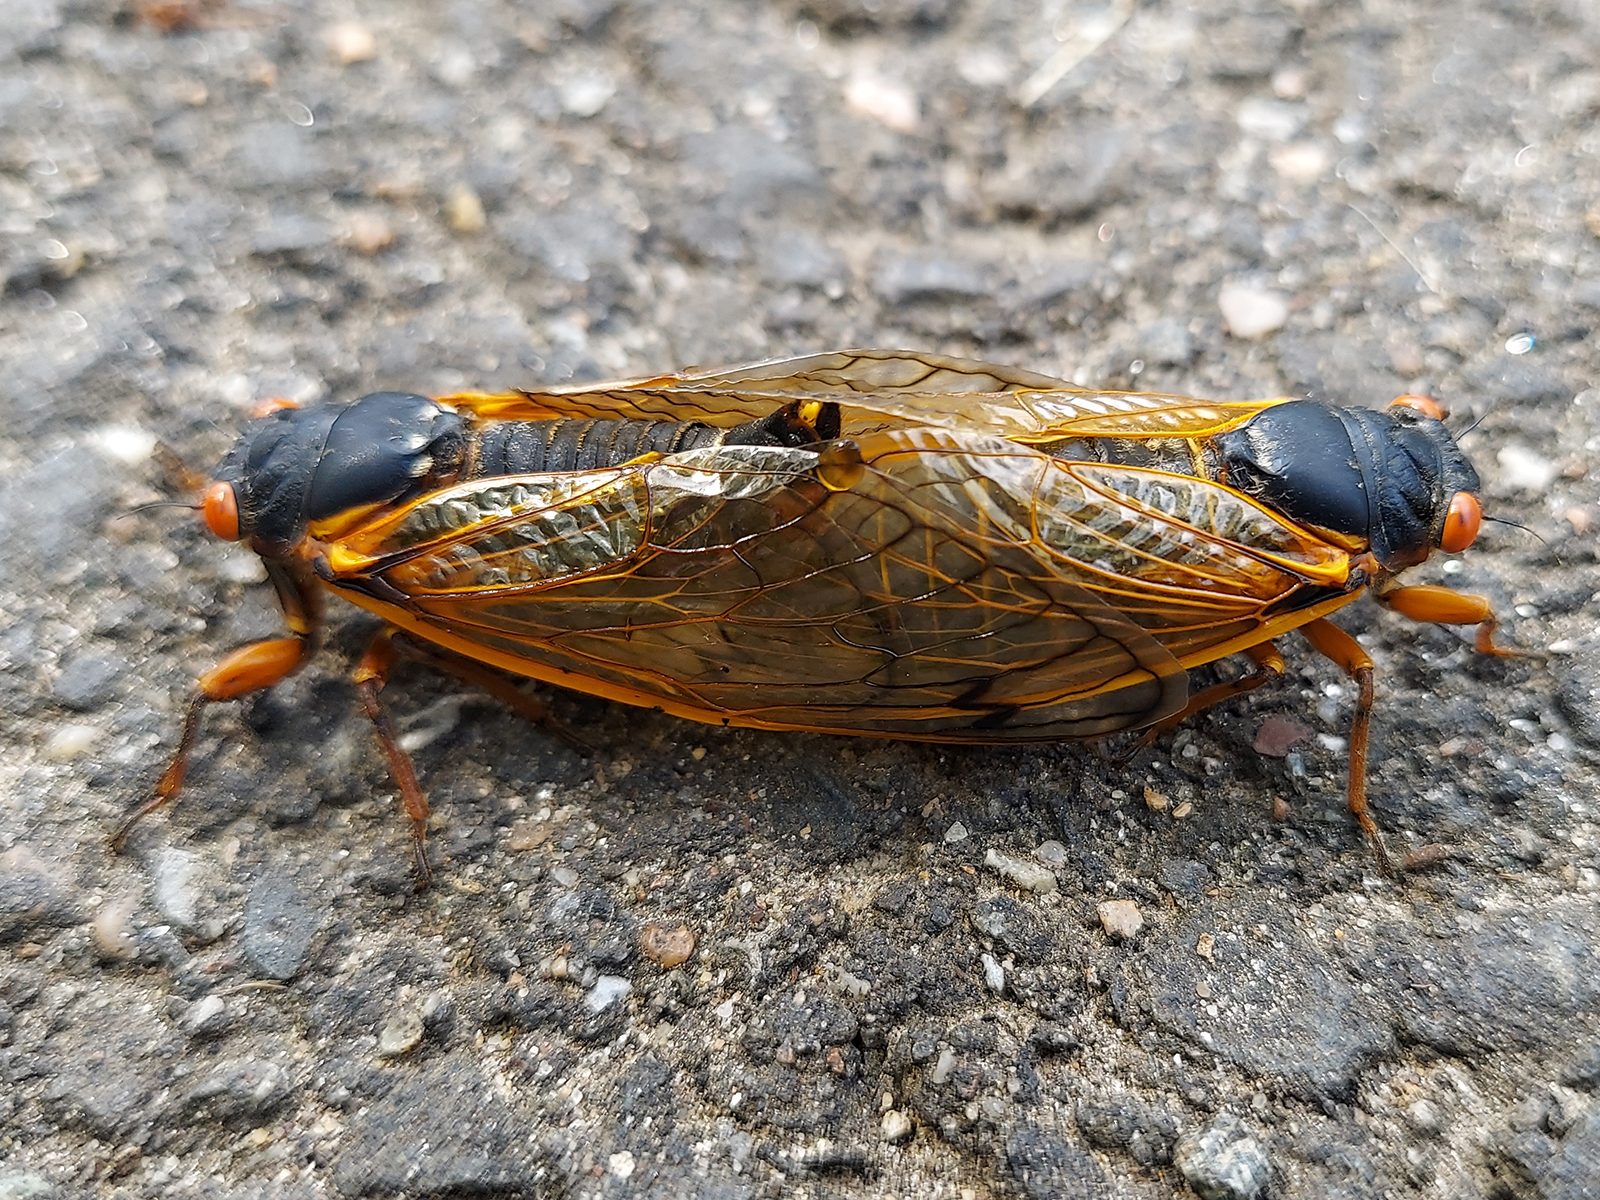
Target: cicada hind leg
372,672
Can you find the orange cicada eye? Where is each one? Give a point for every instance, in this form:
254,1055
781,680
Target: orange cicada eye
221,509
272,404
1461,523
1426,405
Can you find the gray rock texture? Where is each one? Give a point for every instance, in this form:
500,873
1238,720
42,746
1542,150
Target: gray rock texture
209,203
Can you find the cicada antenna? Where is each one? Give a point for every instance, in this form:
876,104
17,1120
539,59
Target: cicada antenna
137,509
1529,531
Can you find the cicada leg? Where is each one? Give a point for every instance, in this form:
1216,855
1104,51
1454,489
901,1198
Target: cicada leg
1269,666
248,669
498,686
1334,643
1440,605
371,673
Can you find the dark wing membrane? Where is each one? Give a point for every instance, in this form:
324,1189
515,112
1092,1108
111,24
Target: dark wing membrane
966,588
878,389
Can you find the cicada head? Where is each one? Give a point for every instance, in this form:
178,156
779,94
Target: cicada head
1394,479
295,466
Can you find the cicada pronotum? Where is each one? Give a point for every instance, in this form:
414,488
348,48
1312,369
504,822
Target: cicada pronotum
865,542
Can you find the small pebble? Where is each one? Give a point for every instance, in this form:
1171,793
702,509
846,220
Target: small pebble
529,835
1250,310
70,740
351,42
1120,918
1052,854
891,104
956,833
667,948
463,210
1155,801
1182,811
1206,946
994,975
1524,469
401,1034
1279,735
564,876
370,233
1224,1161
1029,875
206,1017
1270,120
943,1068
607,990
112,930
586,94
177,899
897,1127
621,1164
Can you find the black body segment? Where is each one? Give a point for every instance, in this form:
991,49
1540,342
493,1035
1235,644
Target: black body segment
1383,476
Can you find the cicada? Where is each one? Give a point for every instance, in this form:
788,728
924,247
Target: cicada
867,542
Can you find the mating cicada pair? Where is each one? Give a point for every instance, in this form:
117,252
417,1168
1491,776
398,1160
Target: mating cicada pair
867,542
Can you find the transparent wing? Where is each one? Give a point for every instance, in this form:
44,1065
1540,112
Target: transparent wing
962,588
879,389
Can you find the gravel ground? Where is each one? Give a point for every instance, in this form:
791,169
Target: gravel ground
905,979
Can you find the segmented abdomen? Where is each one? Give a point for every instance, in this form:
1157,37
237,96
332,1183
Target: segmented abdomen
579,444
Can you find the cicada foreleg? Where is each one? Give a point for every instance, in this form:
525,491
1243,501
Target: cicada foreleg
1442,606
248,669
1334,643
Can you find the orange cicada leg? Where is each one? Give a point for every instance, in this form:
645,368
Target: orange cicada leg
1440,605
371,673
248,669
1269,666
1334,643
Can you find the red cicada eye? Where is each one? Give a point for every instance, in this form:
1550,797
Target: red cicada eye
221,510
1461,523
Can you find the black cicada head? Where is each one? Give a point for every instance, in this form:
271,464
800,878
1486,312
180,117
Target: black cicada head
295,466
1393,478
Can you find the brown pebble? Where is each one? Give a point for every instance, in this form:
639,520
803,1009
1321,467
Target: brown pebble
1206,946
1155,801
529,835
1280,809
464,211
1202,989
1120,918
667,948
370,233
1427,856
1279,735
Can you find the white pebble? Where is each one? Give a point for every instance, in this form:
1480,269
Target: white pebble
112,930
1250,310
1029,875
70,740
400,1034
956,833
896,1127
1525,470
585,95
621,1164
890,104
607,990
994,975
1270,120
125,443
